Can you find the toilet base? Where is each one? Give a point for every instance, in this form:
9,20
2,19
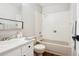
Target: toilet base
40,54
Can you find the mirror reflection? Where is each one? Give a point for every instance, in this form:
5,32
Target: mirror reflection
6,24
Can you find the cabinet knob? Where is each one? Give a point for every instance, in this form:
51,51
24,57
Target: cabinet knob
29,46
24,55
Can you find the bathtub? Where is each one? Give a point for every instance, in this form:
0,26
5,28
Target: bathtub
57,47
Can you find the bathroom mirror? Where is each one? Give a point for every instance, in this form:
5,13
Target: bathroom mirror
6,24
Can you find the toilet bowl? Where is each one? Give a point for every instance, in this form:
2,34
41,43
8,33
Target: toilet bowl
39,49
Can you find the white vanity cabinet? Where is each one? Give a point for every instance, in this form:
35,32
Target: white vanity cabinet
27,49
13,52
23,50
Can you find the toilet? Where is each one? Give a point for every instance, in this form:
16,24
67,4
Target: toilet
39,49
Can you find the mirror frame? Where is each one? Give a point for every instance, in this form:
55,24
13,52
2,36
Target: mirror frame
14,21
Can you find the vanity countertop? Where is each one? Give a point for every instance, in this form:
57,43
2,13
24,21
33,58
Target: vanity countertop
13,43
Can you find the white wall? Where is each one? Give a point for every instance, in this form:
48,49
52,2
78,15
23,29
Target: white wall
31,18
28,12
57,17
9,10
38,22
54,7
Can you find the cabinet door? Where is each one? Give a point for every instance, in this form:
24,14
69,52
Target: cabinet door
28,53
27,49
14,52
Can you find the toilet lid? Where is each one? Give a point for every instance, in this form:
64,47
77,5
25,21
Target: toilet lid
39,46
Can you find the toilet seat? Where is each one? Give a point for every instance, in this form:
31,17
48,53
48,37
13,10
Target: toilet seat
40,47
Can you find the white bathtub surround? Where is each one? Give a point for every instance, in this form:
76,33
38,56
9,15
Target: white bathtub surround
58,47
57,28
16,47
57,22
